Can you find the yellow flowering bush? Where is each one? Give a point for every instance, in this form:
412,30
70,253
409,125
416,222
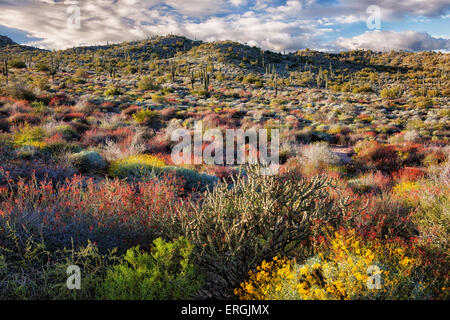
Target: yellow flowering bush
135,166
406,190
350,269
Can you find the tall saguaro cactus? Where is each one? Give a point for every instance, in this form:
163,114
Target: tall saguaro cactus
54,67
192,79
172,71
4,70
204,76
276,83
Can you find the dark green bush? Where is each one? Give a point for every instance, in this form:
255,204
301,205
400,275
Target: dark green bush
86,161
166,273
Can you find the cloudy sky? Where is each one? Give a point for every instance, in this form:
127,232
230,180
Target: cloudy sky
327,25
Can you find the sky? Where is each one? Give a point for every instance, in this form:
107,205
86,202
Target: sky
325,25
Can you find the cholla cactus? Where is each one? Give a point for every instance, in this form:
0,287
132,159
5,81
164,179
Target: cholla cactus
257,218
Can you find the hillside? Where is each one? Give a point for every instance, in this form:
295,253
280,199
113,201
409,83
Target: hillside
90,174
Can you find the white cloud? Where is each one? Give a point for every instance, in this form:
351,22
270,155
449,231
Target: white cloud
293,24
390,40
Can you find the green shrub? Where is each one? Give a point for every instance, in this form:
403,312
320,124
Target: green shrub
391,93
166,273
251,78
157,98
93,267
68,132
29,136
146,116
19,64
60,148
31,270
192,179
86,161
113,91
136,167
146,83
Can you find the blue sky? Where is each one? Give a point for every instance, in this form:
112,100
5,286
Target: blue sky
327,25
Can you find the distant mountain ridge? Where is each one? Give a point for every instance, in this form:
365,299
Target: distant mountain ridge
4,41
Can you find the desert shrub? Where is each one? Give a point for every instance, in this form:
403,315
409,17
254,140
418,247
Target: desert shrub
158,98
98,136
4,126
422,102
136,166
131,110
111,213
251,78
113,91
39,106
87,161
391,93
374,155
17,63
146,116
408,174
166,272
29,136
434,157
379,216
56,149
41,66
130,146
362,89
406,190
147,83
21,118
61,99
81,74
431,200
41,83
30,270
342,271
20,91
192,179
68,132
374,182
318,156
256,218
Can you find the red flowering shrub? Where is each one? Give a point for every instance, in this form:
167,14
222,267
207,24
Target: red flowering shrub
22,106
372,154
60,100
131,110
21,118
111,213
408,174
100,136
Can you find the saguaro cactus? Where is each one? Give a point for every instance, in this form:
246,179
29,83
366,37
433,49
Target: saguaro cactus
172,71
192,79
54,67
4,69
204,76
276,84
